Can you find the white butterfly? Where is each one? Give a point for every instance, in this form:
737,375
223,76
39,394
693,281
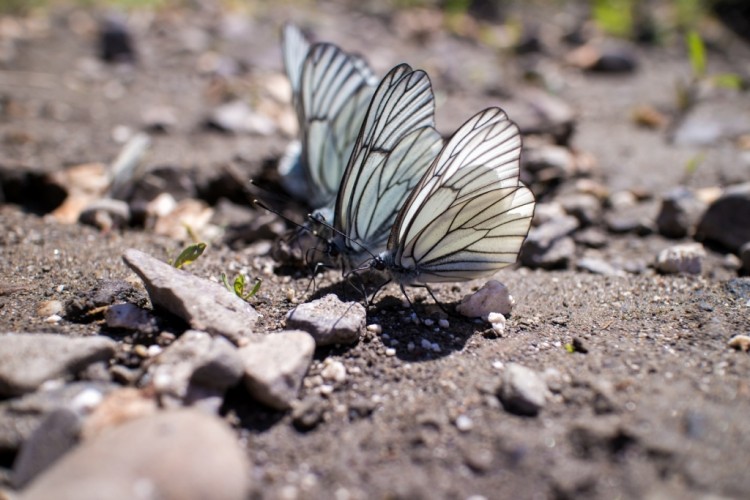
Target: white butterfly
331,90
469,214
396,144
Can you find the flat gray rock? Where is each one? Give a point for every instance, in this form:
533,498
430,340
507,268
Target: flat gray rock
203,304
27,360
275,366
20,417
195,366
523,390
181,454
680,213
329,320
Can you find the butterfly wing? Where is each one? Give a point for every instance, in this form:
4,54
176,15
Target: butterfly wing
396,144
295,47
469,214
335,89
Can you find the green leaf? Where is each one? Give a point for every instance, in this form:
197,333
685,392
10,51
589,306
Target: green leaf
223,278
693,163
614,16
189,255
696,53
570,348
239,285
255,289
728,81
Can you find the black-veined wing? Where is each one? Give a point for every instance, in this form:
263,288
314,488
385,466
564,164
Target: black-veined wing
335,90
396,144
469,214
295,47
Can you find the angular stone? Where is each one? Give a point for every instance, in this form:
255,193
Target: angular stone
585,207
20,417
492,297
683,259
598,266
275,366
57,433
726,220
549,246
181,454
29,359
679,214
203,304
523,390
195,366
329,320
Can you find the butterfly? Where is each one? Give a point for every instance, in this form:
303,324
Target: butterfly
331,90
394,147
468,215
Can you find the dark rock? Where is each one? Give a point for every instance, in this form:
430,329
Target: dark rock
745,257
29,359
679,214
115,42
181,454
86,306
615,61
203,304
169,179
638,219
329,320
739,287
726,220
548,246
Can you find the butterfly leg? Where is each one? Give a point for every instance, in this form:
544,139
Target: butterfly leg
403,290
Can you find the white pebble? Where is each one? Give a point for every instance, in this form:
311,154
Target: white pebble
325,389
375,328
154,350
464,423
443,323
390,352
426,344
333,371
428,322
410,346
494,317
498,325
87,400
435,347
54,318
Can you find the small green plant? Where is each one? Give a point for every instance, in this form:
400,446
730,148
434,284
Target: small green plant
189,255
696,53
240,285
614,16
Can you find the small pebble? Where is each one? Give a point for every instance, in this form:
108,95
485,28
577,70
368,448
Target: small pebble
333,371
141,351
426,344
428,322
443,323
375,328
390,352
740,342
464,423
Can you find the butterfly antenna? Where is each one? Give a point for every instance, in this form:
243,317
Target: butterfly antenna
342,234
264,206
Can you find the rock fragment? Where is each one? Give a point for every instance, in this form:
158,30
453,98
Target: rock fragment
680,213
681,259
598,266
523,391
740,342
195,367
29,359
726,219
205,305
275,365
174,454
492,297
549,246
329,320
20,417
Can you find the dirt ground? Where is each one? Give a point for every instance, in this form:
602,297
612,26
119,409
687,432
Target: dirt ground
652,403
